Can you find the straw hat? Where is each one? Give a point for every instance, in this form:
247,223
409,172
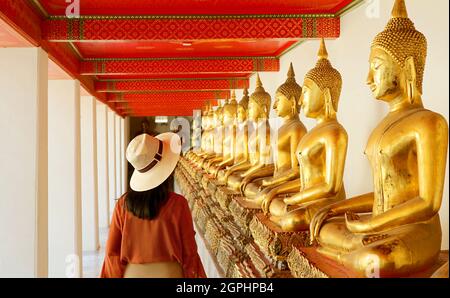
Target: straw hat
153,159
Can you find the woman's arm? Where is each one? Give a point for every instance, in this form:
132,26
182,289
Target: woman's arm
192,265
113,267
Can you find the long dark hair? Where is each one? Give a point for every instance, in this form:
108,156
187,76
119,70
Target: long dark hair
147,204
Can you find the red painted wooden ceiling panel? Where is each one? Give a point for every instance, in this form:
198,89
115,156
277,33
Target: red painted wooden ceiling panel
221,48
204,7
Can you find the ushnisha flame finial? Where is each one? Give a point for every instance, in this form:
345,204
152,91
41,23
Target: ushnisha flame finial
323,53
399,9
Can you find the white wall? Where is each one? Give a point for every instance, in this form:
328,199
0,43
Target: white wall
103,167
359,112
23,160
118,144
64,167
89,184
112,160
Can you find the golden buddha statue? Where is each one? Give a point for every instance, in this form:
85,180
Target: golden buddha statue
195,152
407,152
289,135
196,138
321,153
241,156
229,138
259,139
218,136
207,146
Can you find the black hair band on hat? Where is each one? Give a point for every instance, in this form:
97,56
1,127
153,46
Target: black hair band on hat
156,159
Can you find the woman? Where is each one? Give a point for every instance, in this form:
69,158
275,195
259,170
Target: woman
151,233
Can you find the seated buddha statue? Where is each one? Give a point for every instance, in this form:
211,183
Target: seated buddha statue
258,140
218,134
241,156
229,137
321,153
192,154
290,133
396,227
207,139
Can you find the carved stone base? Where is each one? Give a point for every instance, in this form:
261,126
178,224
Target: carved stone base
213,186
225,195
275,242
213,233
240,240
244,269
307,262
242,214
301,267
265,266
204,182
203,216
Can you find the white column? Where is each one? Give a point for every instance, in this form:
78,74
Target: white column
89,184
23,162
65,239
118,156
112,160
102,159
126,141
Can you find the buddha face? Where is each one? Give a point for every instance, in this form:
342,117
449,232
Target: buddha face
282,105
384,77
312,99
254,110
241,114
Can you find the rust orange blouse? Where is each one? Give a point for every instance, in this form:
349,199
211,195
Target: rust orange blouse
168,238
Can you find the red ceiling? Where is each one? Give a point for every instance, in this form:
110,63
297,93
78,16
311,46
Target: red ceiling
72,43
173,76
203,7
204,48
9,38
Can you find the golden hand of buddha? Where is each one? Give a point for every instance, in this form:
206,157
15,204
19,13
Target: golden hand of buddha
290,201
318,220
267,200
355,224
244,184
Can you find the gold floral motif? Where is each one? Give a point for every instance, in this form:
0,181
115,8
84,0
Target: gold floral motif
301,267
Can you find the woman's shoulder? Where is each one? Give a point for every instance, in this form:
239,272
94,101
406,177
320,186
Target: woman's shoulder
178,201
177,198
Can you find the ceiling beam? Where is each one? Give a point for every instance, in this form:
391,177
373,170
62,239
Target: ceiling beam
189,28
20,15
169,107
164,97
179,66
171,85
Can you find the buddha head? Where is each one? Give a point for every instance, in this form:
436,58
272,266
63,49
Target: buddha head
218,114
397,59
321,88
259,103
243,107
230,110
287,96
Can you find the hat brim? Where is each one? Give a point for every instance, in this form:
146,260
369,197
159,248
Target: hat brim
161,171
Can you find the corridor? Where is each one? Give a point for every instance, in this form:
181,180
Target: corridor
93,259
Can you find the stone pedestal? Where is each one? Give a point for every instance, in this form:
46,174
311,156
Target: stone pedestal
224,196
274,243
307,262
243,213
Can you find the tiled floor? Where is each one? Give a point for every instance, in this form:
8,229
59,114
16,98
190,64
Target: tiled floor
93,260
